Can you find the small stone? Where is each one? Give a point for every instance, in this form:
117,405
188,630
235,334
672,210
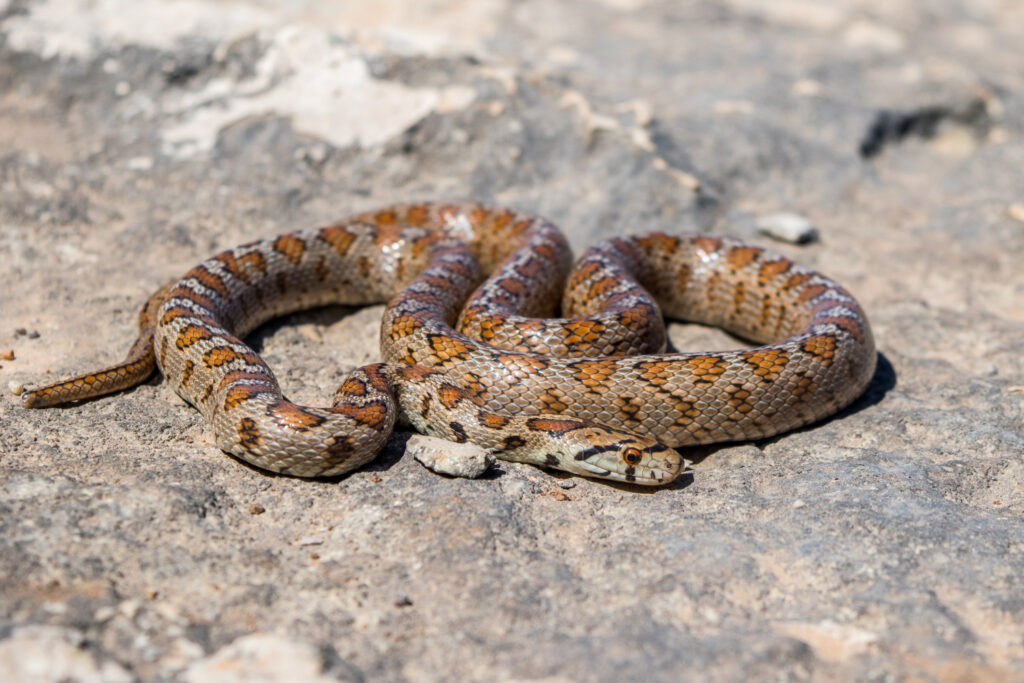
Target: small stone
122,88
992,370
567,483
17,388
375,479
807,88
787,227
51,653
32,334
447,457
103,614
260,657
309,540
1016,212
7,354
403,600
559,495
711,616
140,163
256,509
20,332
797,504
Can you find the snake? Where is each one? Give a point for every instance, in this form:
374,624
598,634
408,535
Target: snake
472,350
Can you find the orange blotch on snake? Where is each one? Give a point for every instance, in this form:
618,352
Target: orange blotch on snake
240,393
772,269
492,420
552,426
221,355
287,415
811,292
210,280
339,238
796,280
291,247
248,434
822,346
450,395
739,257
373,414
191,334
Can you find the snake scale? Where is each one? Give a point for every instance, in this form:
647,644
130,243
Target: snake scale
471,357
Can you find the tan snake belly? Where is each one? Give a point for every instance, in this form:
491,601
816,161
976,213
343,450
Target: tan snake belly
571,394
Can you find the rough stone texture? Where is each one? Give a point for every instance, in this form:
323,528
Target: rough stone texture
445,457
888,543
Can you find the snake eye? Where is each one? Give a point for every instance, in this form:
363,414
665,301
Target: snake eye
632,456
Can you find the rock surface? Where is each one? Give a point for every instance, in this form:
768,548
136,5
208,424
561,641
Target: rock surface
138,137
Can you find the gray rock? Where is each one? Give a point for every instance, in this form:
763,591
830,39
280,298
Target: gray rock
446,457
882,544
787,227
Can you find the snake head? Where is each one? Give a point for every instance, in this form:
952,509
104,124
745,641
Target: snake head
598,451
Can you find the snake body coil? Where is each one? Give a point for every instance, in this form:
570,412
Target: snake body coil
592,393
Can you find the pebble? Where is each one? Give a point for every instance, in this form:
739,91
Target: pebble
1016,212
787,227
51,653
260,657
7,354
17,388
447,457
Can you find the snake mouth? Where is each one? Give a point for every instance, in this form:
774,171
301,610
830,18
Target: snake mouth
666,464
660,464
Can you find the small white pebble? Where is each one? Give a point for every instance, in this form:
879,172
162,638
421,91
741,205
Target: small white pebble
567,483
797,504
105,613
447,457
710,615
787,227
16,388
309,540
991,370
140,163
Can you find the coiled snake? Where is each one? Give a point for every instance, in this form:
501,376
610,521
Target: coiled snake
592,394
